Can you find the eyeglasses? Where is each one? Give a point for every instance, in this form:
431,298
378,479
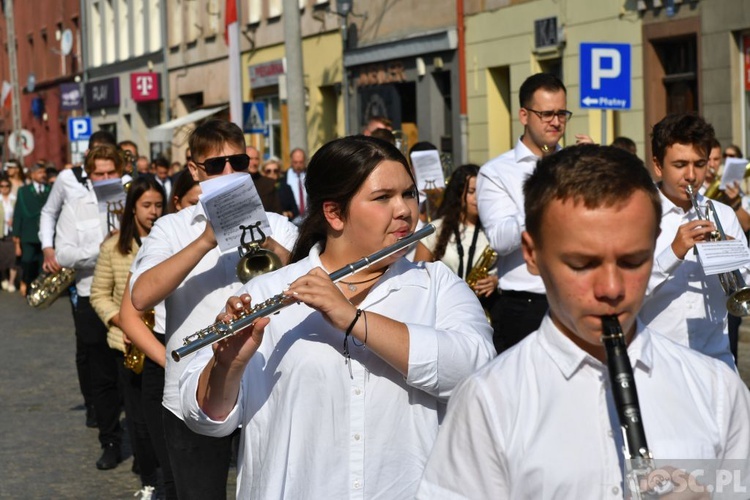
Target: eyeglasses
215,166
4,185
272,170
546,116
730,155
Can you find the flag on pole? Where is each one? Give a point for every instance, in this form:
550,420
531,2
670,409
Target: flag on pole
6,96
232,38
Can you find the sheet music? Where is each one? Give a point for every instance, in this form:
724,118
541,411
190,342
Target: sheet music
428,170
231,201
718,257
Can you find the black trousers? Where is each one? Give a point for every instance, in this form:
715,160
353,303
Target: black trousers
734,335
200,464
140,438
152,393
515,315
31,261
100,370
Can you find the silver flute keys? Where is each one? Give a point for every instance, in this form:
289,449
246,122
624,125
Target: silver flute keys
220,330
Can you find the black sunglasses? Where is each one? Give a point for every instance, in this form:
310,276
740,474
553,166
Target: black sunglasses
215,166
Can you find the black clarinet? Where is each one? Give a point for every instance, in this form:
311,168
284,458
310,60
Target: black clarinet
639,462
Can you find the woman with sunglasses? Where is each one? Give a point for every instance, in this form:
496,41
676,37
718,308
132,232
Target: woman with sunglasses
144,204
459,240
271,168
341,394
15,175
8,269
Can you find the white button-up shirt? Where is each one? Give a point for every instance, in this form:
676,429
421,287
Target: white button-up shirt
315,428
681,301
80,231
500,200
204,291
539,421
65,189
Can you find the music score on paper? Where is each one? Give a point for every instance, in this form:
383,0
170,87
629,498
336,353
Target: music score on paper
718,257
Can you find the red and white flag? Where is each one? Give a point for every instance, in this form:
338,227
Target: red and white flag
6,96
232,38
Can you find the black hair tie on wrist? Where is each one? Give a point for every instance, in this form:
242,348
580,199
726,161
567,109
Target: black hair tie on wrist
347,357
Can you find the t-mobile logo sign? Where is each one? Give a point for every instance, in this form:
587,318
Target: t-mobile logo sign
144,86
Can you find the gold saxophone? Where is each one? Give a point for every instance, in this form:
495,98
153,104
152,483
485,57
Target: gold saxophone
134,357
47,287
482,267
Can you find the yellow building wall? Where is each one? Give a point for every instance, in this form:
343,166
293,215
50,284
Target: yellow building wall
499,49
323,68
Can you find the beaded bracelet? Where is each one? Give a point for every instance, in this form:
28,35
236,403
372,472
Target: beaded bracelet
349,331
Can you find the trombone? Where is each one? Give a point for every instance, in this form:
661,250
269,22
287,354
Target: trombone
737,292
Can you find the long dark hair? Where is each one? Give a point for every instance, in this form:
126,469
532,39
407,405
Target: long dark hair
335,173
128,229
182,184
453,207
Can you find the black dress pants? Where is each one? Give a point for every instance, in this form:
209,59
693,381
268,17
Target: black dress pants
100,370
515,315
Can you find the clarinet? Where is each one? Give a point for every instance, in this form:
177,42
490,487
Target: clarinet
639,462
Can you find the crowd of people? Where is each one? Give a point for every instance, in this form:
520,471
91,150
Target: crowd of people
468,366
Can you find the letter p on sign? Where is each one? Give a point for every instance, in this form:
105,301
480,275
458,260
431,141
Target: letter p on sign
613,69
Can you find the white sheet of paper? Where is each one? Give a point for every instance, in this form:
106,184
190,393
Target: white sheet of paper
231,201
734,171
428,169
722,256
110,193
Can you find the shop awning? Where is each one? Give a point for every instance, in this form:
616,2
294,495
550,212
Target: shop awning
165,131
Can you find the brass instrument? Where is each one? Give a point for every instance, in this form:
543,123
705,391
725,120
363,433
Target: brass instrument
255,260
738,293
713,191
639,462
134,357
482,267
47,287
219,331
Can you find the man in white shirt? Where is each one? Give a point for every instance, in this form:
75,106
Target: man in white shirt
539,420
80,231
181,264
295,177
522,303
71,184
681,301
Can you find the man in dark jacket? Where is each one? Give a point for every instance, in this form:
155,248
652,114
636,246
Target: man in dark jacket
29,203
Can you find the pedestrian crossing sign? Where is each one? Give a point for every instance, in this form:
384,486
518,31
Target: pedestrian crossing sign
254,117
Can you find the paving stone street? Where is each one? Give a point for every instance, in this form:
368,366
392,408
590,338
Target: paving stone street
46,451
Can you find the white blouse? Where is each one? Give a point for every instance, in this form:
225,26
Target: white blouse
450,257
315,428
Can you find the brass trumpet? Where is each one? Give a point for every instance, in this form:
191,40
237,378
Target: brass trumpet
219,331
738,293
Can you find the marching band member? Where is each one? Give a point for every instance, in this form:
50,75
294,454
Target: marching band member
181,262
324,421
80,231
681,301
538,421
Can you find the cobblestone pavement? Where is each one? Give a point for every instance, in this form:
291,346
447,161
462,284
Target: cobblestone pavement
45,449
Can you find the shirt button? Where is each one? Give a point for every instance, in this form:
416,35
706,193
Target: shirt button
357,391
615,490
610,433
357,484
356,437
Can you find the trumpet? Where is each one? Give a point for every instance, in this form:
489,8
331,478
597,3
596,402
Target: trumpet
219,331
738,293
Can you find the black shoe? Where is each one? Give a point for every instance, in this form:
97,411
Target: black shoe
110,457
91,417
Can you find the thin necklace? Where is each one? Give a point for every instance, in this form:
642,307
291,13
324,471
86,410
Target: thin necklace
352,285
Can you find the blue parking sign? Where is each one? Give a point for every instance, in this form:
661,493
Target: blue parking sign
605,75
79,128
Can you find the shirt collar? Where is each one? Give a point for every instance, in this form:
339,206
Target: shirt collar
569,358
668,207
524,154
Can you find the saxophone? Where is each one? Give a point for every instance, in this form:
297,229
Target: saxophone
482,267
47,287
134,357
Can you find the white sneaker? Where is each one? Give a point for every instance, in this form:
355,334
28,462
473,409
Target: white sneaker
145,493
11,288
4,284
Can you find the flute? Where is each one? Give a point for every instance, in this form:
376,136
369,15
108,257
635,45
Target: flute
639,463
219,330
